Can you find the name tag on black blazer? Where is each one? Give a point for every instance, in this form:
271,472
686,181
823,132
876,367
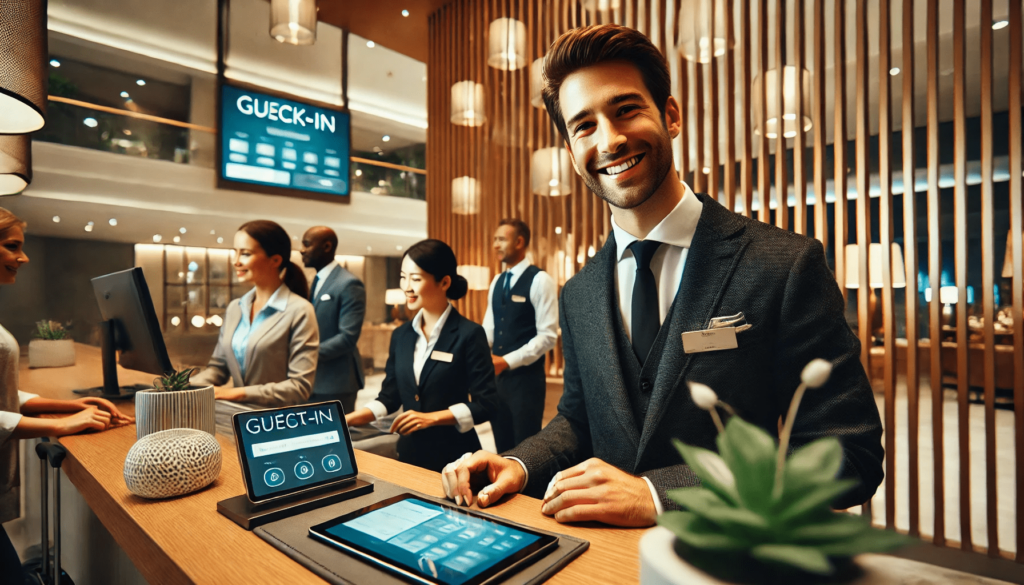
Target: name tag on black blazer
441,356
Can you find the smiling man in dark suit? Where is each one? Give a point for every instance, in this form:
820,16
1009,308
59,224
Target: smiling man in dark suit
675,263
339,299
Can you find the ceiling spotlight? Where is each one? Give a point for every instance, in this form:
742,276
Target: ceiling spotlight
1000,24
90,122
198,321
56,219
124,94
175,320
112,221
220,240
369,248
56,63
371,44
177,239
213,232
140,82
398,247
405,13
182,230
157,238
558,230
359,172
88,227
386,138
894,71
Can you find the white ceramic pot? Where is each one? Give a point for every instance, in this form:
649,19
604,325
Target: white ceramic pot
51,353
660,565
189,409
172,463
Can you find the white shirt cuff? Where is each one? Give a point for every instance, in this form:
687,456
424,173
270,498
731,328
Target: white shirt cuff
525,470
378,409
463,417
654,495
513,359
24,397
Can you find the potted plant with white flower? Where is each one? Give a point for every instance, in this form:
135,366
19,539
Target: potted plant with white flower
760,516
175,403
52,346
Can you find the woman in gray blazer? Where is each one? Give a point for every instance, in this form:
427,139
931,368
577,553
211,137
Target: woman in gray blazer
268,344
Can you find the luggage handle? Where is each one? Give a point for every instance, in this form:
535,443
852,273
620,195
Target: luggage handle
54,454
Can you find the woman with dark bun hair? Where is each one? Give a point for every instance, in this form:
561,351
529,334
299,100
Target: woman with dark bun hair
269,341
439,366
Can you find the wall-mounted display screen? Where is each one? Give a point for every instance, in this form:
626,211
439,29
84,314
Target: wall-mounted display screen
277,145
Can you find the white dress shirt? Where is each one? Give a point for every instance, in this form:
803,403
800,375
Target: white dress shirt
322,275
421,353
544,297
675,232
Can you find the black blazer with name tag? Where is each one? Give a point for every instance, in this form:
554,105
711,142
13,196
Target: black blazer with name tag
468,378
782,284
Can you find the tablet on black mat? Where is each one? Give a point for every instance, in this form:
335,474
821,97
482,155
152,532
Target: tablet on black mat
426,542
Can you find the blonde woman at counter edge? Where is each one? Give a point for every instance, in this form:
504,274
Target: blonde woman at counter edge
269,342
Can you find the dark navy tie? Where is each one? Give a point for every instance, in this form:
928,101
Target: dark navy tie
645,320
312,287
506,288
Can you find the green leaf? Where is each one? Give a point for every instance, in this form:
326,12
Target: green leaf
873,540
710,506
750,453
714,474
801,557
834,526
813,464
818,498
699,533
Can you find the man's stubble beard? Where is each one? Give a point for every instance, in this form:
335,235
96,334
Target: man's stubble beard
661,162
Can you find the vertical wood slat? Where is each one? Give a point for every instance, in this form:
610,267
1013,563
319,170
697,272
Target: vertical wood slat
699,177
960,257
763,182
910,264
730,115
1017,250
818,113
712,163
864,316
935,278
746,169
781,197
988,280
885,224
684,108
839,144
799,173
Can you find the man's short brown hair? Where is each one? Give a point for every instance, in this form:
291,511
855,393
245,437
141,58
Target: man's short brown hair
520,226
590,45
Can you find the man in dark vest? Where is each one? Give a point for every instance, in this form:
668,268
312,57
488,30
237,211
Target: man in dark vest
339,299
677,269
522,325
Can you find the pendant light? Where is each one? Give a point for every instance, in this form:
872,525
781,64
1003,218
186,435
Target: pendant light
293,21
702,30
23,72
15,163
551,172
507,44
796,89
465,196
468,104
537,83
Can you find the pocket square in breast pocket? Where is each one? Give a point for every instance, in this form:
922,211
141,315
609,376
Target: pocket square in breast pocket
325,297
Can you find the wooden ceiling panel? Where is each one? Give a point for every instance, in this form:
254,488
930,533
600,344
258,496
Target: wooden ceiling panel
382,22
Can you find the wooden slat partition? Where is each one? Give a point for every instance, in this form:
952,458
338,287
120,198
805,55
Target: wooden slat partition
960,254
953,111
910,274
885,229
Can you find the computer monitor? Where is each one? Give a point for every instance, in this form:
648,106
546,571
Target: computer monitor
130,326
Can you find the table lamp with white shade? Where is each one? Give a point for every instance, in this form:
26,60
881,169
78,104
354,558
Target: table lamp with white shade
899,277
396,298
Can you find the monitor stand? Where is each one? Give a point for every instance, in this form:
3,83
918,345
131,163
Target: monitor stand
108,357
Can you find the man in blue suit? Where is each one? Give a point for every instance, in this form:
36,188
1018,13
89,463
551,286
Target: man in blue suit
339,299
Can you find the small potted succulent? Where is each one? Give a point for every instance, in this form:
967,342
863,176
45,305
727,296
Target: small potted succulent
760,516
174,403
52,346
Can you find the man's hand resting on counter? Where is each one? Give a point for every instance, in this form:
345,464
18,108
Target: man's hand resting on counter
598,491
505,476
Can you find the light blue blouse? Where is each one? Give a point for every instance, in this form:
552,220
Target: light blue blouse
240,340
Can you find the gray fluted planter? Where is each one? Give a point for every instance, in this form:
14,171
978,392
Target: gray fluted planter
189,409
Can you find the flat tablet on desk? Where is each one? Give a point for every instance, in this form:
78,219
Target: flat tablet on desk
425,542
294,449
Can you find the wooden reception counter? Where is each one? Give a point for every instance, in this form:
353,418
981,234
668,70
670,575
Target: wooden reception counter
185,540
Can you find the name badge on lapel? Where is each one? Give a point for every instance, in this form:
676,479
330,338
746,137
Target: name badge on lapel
441,356
518,299
710,340
325,297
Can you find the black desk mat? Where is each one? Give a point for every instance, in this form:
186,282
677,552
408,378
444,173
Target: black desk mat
291,536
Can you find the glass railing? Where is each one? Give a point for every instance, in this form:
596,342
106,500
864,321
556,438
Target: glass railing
85,125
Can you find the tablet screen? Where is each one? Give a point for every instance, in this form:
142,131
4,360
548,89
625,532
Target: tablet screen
292,449
438,544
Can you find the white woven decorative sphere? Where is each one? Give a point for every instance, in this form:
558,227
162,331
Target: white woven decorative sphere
172,463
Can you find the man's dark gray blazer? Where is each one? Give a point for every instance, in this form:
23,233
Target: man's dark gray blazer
340,306
780,281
